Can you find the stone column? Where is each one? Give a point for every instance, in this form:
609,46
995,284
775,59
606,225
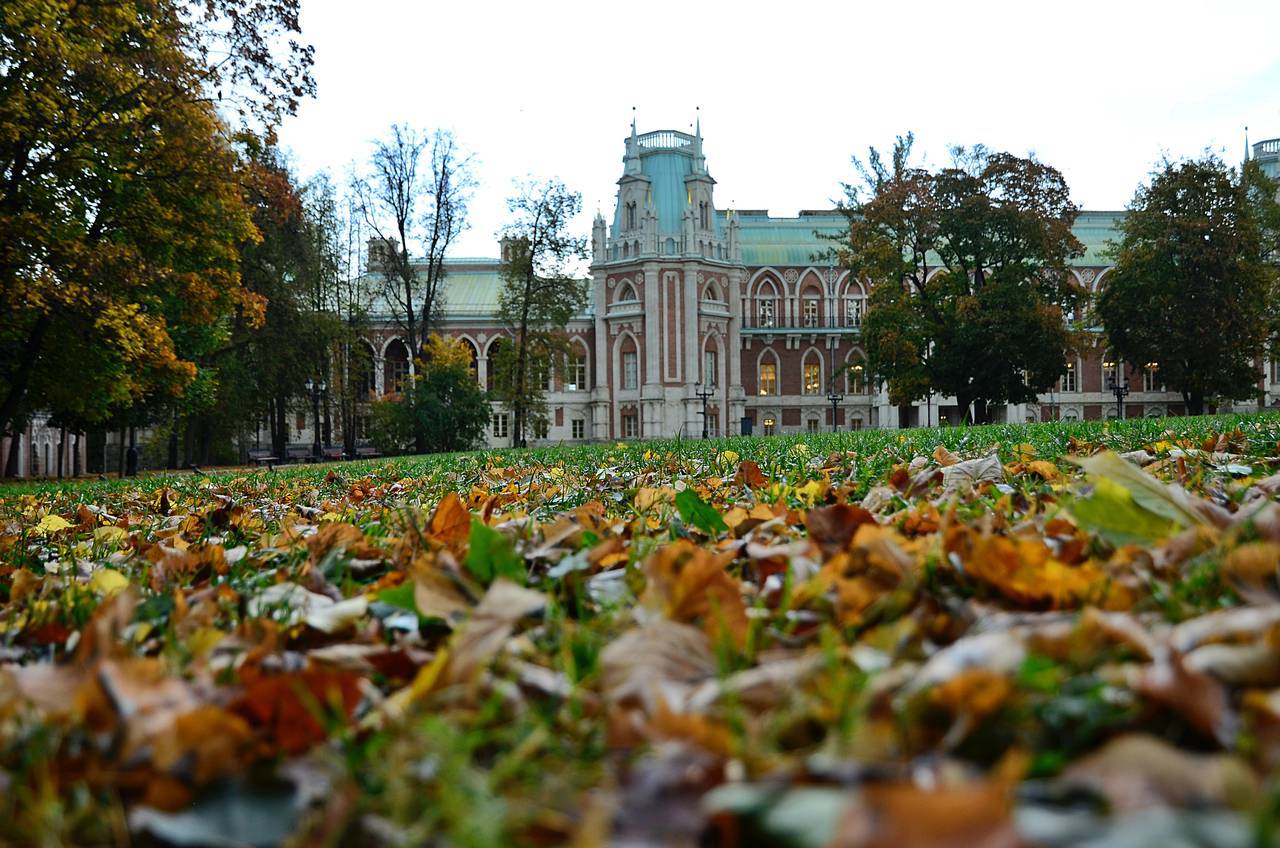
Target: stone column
651,385
733,344
600,372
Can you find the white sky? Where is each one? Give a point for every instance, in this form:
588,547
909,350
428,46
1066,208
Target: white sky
788,90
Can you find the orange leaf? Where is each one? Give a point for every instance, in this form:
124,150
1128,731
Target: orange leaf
451,522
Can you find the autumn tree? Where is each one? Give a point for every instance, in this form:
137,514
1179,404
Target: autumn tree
968,271
1194,287
539,295
414,201
122,224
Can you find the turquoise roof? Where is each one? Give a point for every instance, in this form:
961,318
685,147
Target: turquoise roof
470,290
666,158
792,241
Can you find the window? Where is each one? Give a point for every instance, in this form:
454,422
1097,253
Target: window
1275,371
853,312
770,426
710,368
768,378
1110,372
856,423
857,377
627,294
811,312
812,378
1069,378
766,313
630,370
579,428
575,378
500,425
1151,377
631,215
300,421
540,428
813,425
630,425
397,372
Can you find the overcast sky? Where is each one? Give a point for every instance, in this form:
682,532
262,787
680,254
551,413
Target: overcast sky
788,90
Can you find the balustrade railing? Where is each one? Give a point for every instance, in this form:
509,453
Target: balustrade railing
801,324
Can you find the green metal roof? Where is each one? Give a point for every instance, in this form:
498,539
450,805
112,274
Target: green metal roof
666,158
470,289
793,241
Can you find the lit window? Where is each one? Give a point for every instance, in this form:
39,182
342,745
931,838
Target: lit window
1151,377
579,428
1110,372
1069,378
811,312
500,425
853,312
857,379
768,378
710,367
630,370
766,313
770,426
630,426
812,378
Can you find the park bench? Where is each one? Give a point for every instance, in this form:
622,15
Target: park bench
367,453
297,453
332,453
262,456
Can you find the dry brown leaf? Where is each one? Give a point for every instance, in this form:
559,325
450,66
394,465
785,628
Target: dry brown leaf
690,584
450,522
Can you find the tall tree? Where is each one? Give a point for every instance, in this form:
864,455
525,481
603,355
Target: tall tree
444,409
968,268
121,227
539,295
411,205
1194,287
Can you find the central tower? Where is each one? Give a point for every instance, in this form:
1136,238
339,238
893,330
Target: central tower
667,277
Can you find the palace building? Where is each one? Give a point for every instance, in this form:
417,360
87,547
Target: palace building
692,303
695,307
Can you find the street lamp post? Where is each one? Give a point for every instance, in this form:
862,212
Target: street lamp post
1120,390
704,396
315,389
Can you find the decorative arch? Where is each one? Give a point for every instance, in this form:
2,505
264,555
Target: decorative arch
812,297
712,291
768,356
577,374
626,294
473,352
812,382
766,302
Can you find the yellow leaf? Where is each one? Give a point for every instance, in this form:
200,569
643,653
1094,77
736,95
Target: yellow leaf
51,524
111,535
1024,452
811,491
729,456
1044,469
331,516
107,581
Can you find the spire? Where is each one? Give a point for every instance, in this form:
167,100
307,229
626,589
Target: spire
1246,145
699,161
631,162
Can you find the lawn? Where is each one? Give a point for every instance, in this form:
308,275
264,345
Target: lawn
990,636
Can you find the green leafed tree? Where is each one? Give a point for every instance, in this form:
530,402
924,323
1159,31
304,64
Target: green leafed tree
444,410
968,274
1194,288
540,294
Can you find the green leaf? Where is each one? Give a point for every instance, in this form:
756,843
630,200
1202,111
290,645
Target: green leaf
694,510
490,555
1113,512
400,597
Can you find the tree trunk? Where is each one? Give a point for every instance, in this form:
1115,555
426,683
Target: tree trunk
123,446
279,430
75,454
1195,402
171,461
62,454
15,455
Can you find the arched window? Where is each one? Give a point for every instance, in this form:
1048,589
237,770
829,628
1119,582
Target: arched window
811,370
711,292
474,357
767,375
711,364
766,305
669,247
494,363
626,294
395,367
631,215
704,215
855,374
